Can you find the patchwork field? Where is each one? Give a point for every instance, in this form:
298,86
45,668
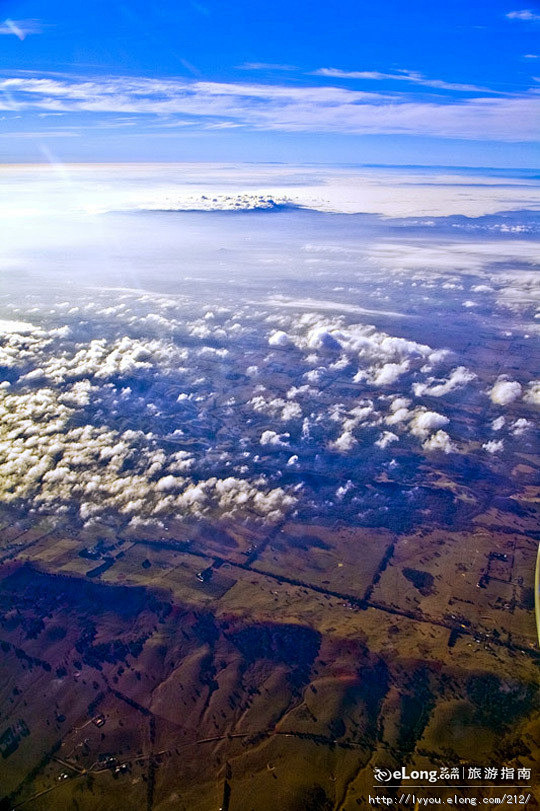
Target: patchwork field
213,668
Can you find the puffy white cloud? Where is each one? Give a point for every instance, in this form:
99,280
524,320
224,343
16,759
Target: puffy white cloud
424,422
212,352
383,358
168,483
277,407
279,338
344,443
488,260
498,423
49,462
520,426
314,375
403,347
389,373
322,338
243,201
386,438
459,377
361,414
532,394
343,489
400,415
291,411
179,459
519,291
525,15
493,446
399,403
79,394
272,438
505,391
99,359
19,327
440,441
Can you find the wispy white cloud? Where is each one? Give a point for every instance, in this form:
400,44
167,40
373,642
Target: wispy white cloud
410,76
265,66
526,14
223,125
21,28
49,133
280,108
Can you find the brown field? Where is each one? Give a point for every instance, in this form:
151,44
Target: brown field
246,669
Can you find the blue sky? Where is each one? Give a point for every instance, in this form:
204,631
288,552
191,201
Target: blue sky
361,82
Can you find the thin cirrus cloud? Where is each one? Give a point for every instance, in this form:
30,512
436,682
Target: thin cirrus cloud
265,66
21,28
401,76
526,15
274,107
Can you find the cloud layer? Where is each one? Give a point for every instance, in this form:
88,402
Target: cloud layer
259,365
291,108
138,429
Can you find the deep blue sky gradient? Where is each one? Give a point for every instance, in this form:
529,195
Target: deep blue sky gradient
463,43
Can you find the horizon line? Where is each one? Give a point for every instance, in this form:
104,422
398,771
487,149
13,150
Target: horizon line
332,164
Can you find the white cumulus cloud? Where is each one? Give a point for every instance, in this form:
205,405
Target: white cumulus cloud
493,446
440,441
505,391
525,15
